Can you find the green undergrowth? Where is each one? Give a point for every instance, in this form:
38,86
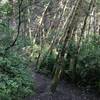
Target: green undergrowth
88,62
16,81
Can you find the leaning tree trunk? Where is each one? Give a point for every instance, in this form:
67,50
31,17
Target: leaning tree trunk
65,37
19,24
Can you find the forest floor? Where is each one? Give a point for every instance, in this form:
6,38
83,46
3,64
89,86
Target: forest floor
65,90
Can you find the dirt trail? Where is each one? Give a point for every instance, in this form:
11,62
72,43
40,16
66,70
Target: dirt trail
65,91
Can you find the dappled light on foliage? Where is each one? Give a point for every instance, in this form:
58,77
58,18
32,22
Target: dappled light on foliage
59,39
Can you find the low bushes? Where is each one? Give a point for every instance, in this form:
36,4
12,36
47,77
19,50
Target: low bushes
15,77
88,62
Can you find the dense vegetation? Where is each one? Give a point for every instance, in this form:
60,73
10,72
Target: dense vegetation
16,79
60,37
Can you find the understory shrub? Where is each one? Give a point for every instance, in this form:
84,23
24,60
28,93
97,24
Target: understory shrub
49,61
88,64
15,77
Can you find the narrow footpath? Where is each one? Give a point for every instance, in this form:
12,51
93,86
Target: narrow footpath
65,91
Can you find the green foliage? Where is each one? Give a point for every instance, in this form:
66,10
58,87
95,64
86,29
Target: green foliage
5,9
15,78
49,61
88,64
44,2
89,61
5,34
34,51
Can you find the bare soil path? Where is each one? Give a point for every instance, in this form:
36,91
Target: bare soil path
65,91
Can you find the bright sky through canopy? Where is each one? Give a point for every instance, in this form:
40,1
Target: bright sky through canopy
2,2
